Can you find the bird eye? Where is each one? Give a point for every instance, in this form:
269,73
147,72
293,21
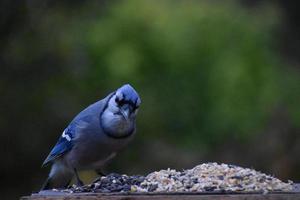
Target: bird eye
119,102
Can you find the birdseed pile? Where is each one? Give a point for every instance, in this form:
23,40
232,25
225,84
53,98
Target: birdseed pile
208,177
212,177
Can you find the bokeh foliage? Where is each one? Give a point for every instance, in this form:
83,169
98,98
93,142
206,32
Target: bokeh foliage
208,73
204,71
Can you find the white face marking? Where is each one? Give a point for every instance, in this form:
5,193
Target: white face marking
114,108
112,105
113,121
119,95
138,103
66,136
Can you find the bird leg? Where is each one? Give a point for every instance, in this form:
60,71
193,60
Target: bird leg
79,182
100,173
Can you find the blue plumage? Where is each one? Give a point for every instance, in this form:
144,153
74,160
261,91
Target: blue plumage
63,145
129,94
93,137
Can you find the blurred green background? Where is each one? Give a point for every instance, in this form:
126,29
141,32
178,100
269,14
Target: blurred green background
219,81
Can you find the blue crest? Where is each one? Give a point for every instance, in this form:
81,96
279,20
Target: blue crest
129,94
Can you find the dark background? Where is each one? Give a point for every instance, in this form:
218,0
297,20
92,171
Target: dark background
218,81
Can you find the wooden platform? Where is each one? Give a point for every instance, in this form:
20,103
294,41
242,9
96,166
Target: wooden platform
56,195
162,196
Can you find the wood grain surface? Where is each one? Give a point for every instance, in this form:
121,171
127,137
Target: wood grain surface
98,196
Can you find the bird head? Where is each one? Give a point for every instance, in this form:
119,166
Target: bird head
126,101
120,113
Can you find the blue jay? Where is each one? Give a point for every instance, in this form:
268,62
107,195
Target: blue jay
93,137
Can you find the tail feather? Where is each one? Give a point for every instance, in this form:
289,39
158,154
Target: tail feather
46,184
59,177
50,184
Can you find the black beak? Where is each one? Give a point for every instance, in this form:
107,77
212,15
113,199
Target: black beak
125,112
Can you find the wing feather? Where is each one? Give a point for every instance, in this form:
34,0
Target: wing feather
63,145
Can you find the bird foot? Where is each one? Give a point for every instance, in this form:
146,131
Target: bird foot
100,173
96,180
79,183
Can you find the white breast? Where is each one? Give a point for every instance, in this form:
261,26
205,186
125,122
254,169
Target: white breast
116,124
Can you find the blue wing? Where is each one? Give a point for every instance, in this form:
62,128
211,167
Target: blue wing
63,145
